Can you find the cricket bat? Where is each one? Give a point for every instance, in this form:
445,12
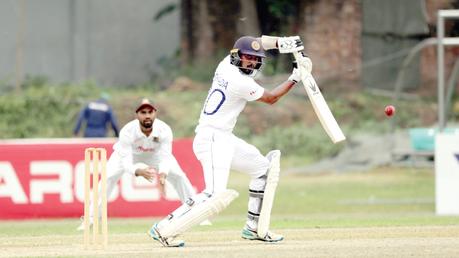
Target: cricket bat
319,104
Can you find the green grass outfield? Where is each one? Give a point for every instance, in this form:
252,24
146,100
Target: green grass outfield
386,208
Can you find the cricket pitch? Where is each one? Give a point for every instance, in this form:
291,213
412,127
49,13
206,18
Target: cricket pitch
405,241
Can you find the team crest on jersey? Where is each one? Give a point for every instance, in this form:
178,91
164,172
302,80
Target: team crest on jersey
255,45
155,139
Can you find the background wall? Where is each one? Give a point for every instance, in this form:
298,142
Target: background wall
111,41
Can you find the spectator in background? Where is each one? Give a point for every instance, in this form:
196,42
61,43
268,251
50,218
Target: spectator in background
97,114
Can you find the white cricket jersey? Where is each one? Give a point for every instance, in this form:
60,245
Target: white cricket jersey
227,97
134,146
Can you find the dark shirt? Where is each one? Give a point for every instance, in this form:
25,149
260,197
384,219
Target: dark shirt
97,115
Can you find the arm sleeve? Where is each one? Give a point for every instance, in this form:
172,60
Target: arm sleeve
124,149
113,122
81,116
165,151
269,42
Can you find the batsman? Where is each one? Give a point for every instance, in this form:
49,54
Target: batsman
220,151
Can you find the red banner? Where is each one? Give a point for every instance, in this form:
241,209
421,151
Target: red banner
44,178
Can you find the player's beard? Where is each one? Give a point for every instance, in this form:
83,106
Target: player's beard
147,123
248,70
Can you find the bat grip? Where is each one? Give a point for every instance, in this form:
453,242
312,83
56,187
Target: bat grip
297,55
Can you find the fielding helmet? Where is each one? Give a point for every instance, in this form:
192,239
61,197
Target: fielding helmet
247,45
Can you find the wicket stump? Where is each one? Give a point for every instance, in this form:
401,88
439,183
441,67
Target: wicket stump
95,163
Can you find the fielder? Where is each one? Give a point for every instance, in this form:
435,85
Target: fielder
219,150
97,114
144,148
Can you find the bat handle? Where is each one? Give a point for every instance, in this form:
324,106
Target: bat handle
297,55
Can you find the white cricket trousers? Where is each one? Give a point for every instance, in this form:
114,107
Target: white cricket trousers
220,151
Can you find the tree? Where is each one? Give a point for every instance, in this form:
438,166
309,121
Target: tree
209,27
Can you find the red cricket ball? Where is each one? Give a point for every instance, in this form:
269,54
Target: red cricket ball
389,110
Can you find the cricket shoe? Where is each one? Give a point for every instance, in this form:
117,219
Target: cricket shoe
167,242
81,226
250,234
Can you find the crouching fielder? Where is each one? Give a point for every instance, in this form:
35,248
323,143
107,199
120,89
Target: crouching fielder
219,150
144,148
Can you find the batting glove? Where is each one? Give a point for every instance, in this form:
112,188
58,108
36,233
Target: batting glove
295,76
305,64
289,44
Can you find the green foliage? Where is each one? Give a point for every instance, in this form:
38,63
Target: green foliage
296,140
269,67
281,9
50,110
170,68
42,110
204,74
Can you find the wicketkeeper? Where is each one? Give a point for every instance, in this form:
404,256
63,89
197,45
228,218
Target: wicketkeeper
219,150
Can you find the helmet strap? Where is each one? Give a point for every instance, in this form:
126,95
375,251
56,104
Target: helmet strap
235,59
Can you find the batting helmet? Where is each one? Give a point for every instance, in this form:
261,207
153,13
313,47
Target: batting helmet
247,45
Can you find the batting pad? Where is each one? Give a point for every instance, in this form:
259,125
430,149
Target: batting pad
270,191
199,213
